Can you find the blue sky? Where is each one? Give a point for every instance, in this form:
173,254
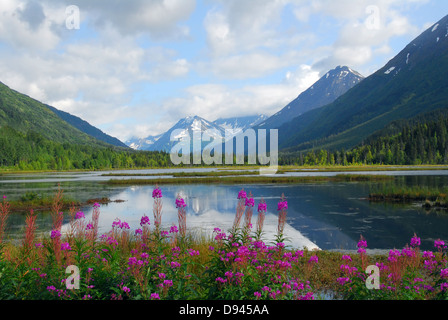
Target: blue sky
135,67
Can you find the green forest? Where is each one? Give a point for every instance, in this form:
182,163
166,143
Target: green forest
422,140
32,151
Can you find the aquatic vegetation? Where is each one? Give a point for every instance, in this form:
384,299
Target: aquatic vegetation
157,262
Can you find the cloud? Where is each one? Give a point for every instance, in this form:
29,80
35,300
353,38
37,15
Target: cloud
23,25
213,101
32,13
157,18
365,30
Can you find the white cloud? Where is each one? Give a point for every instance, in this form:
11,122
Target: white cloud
24,29
142,43
213,101
366,28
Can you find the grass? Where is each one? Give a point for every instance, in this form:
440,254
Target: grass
32,200
166,263
184,174
431,196
250,179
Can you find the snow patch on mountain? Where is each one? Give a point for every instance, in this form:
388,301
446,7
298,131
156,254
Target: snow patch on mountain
389,70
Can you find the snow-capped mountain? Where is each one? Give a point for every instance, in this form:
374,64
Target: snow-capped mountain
217,131
331,86
184,129
240,123
142,144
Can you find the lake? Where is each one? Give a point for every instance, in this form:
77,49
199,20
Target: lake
325,215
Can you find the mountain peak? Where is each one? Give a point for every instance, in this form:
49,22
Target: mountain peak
327,89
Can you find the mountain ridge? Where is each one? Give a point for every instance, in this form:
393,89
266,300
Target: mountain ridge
86,127
327,89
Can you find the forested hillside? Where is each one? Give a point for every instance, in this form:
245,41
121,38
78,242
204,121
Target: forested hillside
421,140
31,151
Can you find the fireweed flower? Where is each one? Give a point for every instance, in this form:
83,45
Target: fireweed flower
155,296
444,273
66,246
393,255
144,221
262,207
282,208
415,241
221,280
124,225
157,193
157,206
79,215
173,229
55,234
116,223
439,244
164,233
181,216
180,203
282,205
314,259
193,252
250,202
362,245
242,195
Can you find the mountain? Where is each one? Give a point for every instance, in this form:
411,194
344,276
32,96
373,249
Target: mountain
142,143
25,115
85,127
194,124
332,85
186,128
412,83
241,123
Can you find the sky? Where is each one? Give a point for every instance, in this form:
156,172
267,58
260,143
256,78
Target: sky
133,68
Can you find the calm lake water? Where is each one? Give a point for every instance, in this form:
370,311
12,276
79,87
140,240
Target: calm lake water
323,215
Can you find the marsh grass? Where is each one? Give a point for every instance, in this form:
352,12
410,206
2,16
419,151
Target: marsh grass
278,179
408,194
